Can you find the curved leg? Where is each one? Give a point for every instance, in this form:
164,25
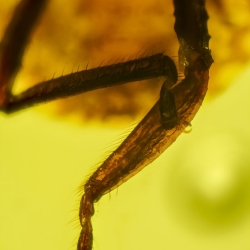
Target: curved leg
177,106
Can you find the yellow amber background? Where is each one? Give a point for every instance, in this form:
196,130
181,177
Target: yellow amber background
195,196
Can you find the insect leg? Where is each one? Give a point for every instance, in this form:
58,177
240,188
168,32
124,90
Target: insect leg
158,130
87,80
14,42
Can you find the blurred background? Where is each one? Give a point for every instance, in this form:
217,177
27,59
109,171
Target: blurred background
195,196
